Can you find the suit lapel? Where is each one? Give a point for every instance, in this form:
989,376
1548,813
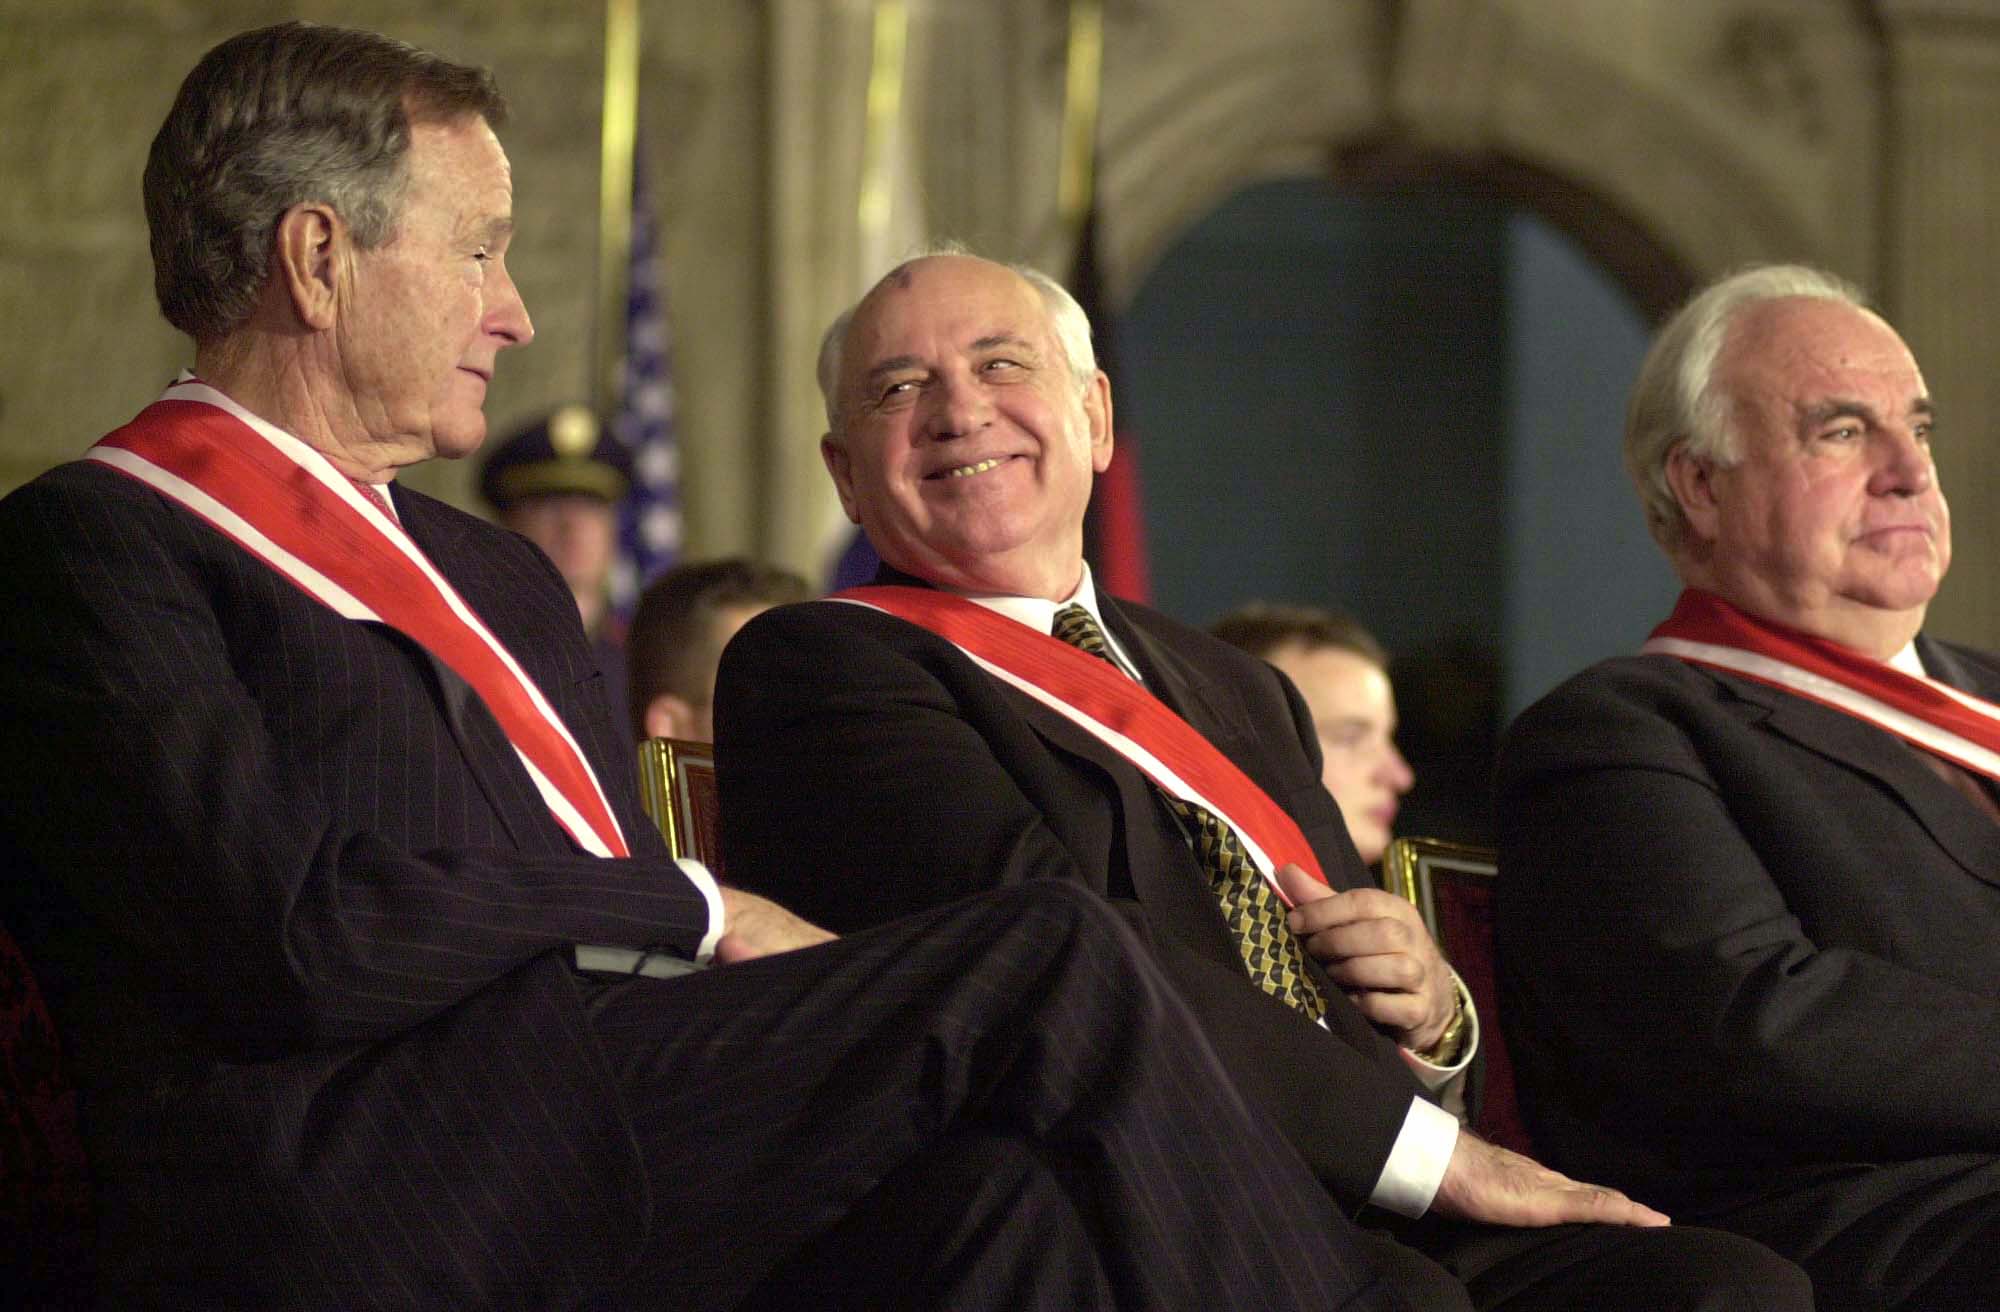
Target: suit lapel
1158,868
488,755
1170,678
1960,828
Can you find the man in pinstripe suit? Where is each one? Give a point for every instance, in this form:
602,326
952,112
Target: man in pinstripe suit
318,828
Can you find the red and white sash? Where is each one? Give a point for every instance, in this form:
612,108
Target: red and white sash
286,504
1706,630
1117,711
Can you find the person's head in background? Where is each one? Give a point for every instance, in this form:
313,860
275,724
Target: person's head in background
685,618
558,483
1343,673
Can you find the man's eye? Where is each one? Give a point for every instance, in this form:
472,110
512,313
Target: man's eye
1000,365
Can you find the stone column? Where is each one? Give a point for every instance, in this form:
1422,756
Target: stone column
1941,284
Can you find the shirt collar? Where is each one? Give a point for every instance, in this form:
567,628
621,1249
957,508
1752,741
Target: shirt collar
1908,661
1039,614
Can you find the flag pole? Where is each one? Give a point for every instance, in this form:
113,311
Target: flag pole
877,194
614,201
1082,85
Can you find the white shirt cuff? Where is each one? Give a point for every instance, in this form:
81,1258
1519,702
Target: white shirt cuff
1417,1161
1434,1076
698,875
598,959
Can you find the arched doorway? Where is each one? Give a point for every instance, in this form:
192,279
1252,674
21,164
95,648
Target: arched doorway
1399,394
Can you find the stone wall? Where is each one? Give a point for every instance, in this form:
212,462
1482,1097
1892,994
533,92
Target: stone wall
83,86
1677,138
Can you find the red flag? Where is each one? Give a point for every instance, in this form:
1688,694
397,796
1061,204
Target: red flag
1114,531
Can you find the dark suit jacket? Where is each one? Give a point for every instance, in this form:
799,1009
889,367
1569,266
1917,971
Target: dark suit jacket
305,921
1743,937
869,769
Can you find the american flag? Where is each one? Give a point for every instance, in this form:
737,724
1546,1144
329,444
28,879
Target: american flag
649,528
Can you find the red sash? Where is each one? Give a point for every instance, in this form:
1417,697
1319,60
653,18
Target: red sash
286,504
1706,630
1118,711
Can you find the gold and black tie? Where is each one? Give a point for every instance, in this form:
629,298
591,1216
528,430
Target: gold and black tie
1252,908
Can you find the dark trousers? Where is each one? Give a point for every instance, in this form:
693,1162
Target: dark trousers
1913,1236
997,1104
1581,1268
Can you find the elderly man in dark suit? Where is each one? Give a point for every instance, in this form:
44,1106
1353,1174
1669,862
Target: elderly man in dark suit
1750,892
983,717
324,846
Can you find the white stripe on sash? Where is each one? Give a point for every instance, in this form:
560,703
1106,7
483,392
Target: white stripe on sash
1140,758
342,602
1841,696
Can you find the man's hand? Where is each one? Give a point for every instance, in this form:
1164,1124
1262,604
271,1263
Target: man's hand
1485,1182
757,927
1375,947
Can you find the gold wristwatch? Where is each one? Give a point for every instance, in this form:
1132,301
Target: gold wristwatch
1445,1051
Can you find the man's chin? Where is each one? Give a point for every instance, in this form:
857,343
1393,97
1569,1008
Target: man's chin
1897,596
458,442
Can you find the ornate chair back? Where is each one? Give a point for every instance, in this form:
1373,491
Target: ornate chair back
1452,886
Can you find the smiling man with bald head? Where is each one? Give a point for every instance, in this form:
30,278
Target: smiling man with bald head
1751,877
983,716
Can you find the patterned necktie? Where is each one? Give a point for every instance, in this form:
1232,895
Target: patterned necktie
1252,908
376,494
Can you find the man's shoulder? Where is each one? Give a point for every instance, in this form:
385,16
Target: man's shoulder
1186,641
1625,708
80,506
827,620
88,479
1970,668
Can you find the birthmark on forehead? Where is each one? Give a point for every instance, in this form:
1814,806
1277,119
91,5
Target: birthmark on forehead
902,279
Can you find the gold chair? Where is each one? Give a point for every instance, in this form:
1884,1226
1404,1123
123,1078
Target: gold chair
677,787
1451,885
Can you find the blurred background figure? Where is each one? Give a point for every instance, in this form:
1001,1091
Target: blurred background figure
558,483
685,618
1343,673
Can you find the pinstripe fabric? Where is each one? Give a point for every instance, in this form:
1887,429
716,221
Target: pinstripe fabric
1025,1014
303,919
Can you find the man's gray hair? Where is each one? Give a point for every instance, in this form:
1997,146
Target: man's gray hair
278,117
1675,403
1066,317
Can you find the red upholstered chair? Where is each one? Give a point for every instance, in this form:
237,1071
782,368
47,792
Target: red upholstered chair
44,1180
1452,885
678,789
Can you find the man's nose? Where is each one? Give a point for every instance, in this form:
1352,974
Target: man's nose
958,406
1904,466
506,312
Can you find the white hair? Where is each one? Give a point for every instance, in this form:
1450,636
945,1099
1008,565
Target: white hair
1675,402
1066,319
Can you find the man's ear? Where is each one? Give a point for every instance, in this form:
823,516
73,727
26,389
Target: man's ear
838,465
1692,480
309,246
669,716
1097,412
